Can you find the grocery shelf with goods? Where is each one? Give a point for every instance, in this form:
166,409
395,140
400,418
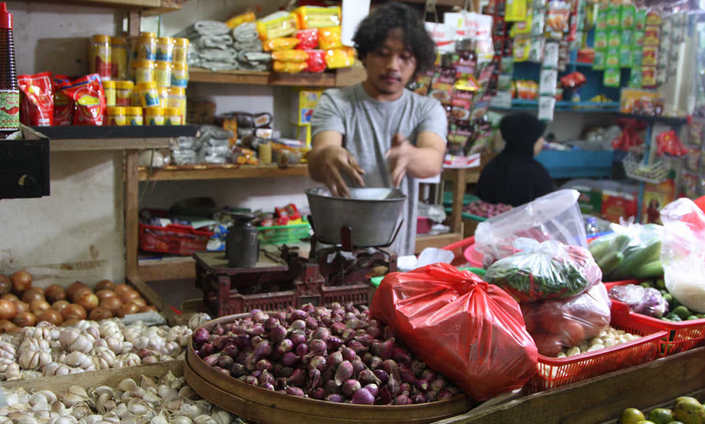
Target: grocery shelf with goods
76,138
221,172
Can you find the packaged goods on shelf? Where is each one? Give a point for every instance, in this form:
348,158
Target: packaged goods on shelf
37,100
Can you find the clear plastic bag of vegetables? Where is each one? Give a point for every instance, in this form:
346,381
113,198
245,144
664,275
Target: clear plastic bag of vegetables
555,216
631,251
469,330
562,324
544,271
645,301
683,253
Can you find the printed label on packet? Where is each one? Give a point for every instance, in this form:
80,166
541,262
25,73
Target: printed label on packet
9,109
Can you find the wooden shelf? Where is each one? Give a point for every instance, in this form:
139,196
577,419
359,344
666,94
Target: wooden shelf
338,78
151,7
222,172
169,268
83,144
438,241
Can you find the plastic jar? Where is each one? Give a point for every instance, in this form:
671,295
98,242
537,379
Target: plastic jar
172,116
133,116
163,96
177,99
110,90
179,75
116,116
118,58
162,74
143,70
100,56
154,116
165,49
181,46
124,93
148,94
146,46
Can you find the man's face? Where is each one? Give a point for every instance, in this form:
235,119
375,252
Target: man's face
391,66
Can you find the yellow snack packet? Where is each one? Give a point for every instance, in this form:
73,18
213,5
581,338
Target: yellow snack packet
329,38
277,25
317,17
279,44
290,56
340,58
289,67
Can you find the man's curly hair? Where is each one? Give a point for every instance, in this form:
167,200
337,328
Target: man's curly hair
375,28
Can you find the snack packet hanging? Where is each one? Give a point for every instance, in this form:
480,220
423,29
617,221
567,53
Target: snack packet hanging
37,103
63,104
87,94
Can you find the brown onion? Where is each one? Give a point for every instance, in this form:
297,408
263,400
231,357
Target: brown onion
79,292
5,285
32,294
99,313
25,319
22,306
71,322
104,294
11,297
128,308
139,301
74,311
121,288
52,316
21,281
89,301
8,309
73,287
39,306
7,326
128,295
149,308
59,305
112,303
105,285
54,293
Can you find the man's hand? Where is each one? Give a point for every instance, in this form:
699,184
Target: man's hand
399,157
330,163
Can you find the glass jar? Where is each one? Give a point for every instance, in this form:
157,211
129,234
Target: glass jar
116,116
118,58
143,70
162,73
133,116
146,47
148,94
124,93
179,75
181,46
100,56
172,116
110,91
154,116
165,49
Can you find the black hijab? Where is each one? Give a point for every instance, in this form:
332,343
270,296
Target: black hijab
514,177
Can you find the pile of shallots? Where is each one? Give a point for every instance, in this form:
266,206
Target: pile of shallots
88,346
338,355
151,401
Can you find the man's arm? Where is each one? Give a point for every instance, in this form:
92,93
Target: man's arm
328,159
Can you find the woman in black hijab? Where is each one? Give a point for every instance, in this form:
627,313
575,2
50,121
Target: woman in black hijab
514,177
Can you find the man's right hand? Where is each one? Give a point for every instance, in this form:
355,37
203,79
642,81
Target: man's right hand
329,163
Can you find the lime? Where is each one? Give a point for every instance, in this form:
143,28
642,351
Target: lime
646,285
689,411
631,416
661,416
692,317
660,283
682,312
692,399
668,297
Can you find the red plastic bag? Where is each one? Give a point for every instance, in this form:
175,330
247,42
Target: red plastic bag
37,105
566,323
459,325
308,39
63,104
89,98
316,61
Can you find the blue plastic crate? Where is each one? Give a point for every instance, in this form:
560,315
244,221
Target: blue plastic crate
577,163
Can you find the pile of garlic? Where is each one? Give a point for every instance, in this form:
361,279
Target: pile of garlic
87,346
151,401
607,338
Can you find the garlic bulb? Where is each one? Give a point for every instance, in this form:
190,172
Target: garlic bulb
78,359
44,330
74,340
103,358
34,345
197,320
34,360
179,334
7,351
111,328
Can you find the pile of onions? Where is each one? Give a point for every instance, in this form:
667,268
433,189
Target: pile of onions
22,305
337,355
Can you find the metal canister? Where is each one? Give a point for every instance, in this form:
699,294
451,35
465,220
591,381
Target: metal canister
242,242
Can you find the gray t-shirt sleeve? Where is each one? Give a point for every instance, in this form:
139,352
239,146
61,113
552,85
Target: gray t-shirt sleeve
327,116
435,121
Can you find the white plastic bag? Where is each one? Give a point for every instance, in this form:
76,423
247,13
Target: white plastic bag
683,253
555,216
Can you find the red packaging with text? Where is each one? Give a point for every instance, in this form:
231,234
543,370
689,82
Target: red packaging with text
87,93
37,104
63,104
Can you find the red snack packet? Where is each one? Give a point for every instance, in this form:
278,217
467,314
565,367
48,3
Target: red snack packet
87,93
37,104
63,104
308,39
316,61
471,331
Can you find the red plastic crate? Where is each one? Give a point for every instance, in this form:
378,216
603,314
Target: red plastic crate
557,372
175,239
682,336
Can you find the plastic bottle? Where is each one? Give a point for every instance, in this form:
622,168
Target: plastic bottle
9,89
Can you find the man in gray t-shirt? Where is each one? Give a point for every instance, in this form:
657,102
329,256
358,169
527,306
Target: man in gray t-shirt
378,133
